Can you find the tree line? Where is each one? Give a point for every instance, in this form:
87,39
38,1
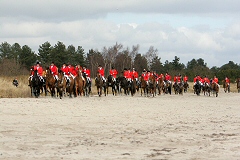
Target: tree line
16,59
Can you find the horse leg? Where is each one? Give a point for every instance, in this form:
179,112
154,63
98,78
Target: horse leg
100,91
76,91
107,89
52,92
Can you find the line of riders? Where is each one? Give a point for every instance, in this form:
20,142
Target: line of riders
180,83
208,85
71,71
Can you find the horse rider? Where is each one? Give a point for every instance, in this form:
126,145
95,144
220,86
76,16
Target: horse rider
113,72
206,80
39,69
125,73
54,70
175,78
197,78
101,72
185,79
215,80
87,73
66,74
145,75
179,78
78,67
227,80
129,75
168,78
72,71
135,74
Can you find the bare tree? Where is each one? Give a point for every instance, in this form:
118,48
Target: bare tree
133,54
150,55
110,54
94,59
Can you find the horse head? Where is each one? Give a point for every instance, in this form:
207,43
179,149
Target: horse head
110,79
35,79
98,80
151,80
238,82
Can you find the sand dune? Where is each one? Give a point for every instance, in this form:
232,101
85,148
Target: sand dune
121,127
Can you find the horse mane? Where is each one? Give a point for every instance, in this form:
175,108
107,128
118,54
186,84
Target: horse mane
80,72
98,80
35,73
48,73
60,71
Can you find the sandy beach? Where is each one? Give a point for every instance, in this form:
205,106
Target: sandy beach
121,127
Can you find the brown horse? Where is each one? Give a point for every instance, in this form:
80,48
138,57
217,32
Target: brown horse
226,86
50,82
185,86
79,84
215,88
238,84
61,84
99,84
70,88
160,85
144,86
206,88
152,85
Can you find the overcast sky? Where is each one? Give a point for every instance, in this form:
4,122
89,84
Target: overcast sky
208,29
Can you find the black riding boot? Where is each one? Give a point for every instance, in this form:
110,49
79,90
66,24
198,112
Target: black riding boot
68,82
56,82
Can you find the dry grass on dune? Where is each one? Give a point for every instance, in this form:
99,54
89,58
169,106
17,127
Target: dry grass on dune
8,90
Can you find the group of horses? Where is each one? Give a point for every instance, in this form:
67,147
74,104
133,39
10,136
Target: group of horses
213,88
206,88
121,85
118,85
180,87
81,85
78,85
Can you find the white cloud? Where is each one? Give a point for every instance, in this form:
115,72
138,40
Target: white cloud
187,29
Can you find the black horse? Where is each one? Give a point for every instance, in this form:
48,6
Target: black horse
111,82
118,84
178,87
168,87
133,86
88,85
124,84
100,84
197,87
36,84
